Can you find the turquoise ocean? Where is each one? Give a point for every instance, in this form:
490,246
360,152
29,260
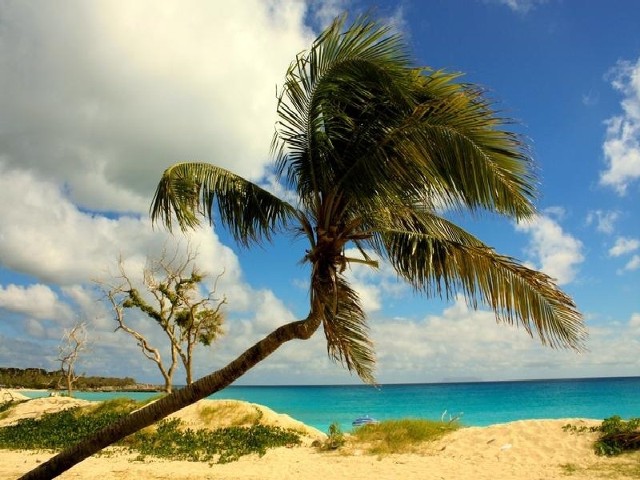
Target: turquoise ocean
477,403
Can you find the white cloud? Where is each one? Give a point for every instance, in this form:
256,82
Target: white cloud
558,253
97,100
103,97
521,6
373,285
622,143
460,343
633,264
624,245
46,236
324,12
37,301
604,220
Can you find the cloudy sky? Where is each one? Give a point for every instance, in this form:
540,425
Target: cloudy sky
98,98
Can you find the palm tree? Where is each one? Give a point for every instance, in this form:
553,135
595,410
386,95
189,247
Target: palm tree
377,152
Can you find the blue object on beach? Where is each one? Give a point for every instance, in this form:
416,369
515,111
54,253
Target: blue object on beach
366,420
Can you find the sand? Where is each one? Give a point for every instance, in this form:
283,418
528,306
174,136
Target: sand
531,449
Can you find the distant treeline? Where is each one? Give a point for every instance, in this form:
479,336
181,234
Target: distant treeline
40,378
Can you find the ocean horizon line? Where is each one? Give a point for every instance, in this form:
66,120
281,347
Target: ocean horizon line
442,382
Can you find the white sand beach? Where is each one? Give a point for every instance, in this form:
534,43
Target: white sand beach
531,449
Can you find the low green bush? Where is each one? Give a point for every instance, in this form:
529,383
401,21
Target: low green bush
616,435
335,438
54,431
221,445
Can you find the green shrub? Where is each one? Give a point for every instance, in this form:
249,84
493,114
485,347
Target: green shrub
55,431
399,436
616,435
335,438
225,444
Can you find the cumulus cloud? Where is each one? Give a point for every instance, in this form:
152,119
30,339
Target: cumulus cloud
373,285
624,245
458,342
633,263
603,220
102,98
47,236
622,144
37,301
557,252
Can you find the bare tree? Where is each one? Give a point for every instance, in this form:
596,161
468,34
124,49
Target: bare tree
74,342
170,294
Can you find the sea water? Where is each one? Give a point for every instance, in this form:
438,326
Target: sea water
475,404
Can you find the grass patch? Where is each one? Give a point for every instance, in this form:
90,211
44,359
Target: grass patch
624,466
569,468
400,436
168,439
235,414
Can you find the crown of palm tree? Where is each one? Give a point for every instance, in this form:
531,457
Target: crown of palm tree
376,149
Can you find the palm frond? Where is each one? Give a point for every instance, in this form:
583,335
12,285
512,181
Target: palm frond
189,190
346,330
441,259
342,70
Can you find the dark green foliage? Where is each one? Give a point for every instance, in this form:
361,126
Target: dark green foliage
617,435
54,431
39,378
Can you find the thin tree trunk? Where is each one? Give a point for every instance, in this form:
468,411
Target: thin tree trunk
168,388
187,360
302,329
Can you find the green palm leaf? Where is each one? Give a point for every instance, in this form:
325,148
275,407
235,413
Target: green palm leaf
248,211
346,331
442,259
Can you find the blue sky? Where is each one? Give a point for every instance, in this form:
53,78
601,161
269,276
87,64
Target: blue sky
98,99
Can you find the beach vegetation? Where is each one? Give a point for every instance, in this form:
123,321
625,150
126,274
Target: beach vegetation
233,414
377,156
7,404
400,436
168,439
335,438
616,435
569,468
38,378
170,294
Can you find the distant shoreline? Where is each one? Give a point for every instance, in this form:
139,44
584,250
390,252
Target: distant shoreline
133,389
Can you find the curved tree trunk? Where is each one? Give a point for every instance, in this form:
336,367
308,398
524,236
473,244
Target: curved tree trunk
302,329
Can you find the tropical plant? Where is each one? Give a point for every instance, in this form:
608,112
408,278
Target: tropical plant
375,151
170,294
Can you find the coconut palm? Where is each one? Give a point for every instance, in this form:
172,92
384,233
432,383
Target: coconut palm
376,152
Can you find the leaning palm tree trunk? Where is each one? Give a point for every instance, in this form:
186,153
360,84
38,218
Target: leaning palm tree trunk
202,388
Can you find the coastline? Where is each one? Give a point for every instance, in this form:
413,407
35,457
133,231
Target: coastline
537,449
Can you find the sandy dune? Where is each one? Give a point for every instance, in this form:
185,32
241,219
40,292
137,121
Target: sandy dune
532,449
